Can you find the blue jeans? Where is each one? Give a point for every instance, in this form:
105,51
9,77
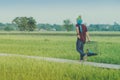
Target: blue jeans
80,48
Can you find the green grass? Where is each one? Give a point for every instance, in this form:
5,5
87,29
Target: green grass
61,46
17,68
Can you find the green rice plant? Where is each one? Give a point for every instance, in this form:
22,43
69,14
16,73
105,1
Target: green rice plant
18,68
60,46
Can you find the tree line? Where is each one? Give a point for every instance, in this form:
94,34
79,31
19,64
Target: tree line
30,24
104,27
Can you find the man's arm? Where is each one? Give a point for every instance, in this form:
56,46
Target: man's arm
87,35
78,34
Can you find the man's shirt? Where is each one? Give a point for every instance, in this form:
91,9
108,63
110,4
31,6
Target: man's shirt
83,33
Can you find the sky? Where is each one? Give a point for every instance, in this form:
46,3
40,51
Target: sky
55,11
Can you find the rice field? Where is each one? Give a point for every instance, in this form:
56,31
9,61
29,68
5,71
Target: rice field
17,68
60,46
57,45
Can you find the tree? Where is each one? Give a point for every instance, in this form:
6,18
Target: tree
10,27
58,27
24,23
116,26
68,25
18,22
31,24
2,26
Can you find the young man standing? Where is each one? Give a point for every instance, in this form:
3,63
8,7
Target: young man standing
82,33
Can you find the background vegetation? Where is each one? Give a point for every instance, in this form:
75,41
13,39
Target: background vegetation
30,24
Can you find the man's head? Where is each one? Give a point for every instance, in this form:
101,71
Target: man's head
79,20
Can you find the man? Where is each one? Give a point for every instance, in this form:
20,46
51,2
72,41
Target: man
82,33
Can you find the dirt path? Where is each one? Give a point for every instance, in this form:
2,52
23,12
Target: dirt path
102,65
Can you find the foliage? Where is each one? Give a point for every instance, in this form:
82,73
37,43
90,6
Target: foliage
68,25
29,24
25,24
104,27
10,27
49,27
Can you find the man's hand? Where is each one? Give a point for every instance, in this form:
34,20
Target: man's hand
78,36
88,40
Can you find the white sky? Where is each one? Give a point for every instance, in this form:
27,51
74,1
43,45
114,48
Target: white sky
55,11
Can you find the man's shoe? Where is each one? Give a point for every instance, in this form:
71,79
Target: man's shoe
81,61
91,54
